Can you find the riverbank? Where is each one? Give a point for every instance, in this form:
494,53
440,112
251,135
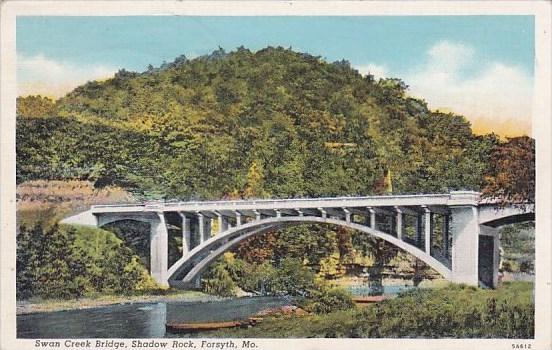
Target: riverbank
454,311
52,305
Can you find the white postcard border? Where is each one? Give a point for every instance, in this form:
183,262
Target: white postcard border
542,132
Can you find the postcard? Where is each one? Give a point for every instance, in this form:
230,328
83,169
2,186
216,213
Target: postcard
259,175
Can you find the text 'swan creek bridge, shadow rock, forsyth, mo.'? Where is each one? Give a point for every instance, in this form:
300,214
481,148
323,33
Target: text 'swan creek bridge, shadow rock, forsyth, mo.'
456,234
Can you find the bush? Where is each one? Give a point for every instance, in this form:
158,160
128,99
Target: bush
66,262
455,311
293,278
218,281
259,278
325,300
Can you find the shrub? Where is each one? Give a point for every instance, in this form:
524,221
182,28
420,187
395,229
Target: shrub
260,278
455,311
69,261
217,280
325,300
451,312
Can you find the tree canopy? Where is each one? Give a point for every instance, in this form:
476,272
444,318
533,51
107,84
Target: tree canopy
271,123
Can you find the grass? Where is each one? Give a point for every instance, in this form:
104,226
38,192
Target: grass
452,311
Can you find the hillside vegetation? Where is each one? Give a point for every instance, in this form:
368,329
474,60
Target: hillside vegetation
274,123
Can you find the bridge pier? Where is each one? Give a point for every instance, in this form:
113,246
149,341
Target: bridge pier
489,255
159,249
465,244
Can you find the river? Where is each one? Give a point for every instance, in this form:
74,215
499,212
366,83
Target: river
145,320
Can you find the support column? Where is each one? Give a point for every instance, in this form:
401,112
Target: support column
428,229
278,213
465,230
347,215
186,234
257,215
399,221
494,233
238,218
372,218
201,227
222,223
159,249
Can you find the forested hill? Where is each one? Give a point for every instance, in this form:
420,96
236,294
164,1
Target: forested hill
272,123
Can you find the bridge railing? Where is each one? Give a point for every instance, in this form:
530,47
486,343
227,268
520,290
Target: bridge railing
276,201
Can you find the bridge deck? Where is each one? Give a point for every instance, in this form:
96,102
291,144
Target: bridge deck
454,198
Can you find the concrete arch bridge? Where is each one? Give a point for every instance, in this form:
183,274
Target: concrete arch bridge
456,233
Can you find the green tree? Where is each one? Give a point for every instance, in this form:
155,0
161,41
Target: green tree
512,179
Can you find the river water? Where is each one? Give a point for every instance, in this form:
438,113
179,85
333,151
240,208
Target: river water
147,320
144,320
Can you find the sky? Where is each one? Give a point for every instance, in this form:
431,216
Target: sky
478,66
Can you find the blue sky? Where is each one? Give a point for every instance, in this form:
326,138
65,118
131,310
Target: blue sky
473,53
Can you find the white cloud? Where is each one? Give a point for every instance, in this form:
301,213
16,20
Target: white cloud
447,56
496,93
378,71
41,75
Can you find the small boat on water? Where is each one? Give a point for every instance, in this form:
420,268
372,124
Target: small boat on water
368,299
176,327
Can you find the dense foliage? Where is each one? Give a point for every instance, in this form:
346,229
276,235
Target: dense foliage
290,278
512,178
518,247
271,123
451,312
66,262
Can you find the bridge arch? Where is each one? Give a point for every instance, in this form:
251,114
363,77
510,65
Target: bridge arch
498,216
184,272
510,219
106,219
